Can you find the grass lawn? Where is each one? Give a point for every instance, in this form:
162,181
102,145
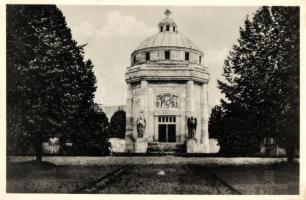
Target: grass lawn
274,179
28,177
184,178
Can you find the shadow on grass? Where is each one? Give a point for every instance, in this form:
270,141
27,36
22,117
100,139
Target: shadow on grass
23,168
31,177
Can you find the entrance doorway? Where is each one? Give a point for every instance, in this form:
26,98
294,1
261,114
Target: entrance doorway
167,128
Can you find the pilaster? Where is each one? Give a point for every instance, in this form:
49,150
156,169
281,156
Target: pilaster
145,106
204,116
129,118
190,103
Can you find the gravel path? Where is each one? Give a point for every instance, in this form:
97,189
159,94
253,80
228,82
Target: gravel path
148,160
102,182
183,179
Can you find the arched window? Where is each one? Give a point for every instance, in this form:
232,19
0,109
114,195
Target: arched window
167,55
147,56
134,60
167,28
161,28
173,28
200,59
186,55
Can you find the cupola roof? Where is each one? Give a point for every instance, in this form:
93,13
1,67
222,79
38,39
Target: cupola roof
168,36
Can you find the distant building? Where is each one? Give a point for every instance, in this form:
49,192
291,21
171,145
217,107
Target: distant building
269,147
110,110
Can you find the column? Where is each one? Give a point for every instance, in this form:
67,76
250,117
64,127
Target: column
189,102
150,120
129,118
155,131
182,123
204,116
189,98
145,106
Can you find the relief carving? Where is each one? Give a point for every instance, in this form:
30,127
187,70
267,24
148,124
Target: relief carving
166,100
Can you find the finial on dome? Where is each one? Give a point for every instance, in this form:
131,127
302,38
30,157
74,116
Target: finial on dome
167,12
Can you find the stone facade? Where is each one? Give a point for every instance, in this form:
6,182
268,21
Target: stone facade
167,84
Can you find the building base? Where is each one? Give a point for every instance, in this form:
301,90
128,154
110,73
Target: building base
142,146
194,146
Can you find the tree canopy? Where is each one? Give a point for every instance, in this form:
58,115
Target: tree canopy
118,124
50,87
262,83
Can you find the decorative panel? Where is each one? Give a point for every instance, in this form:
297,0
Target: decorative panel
141,57
161,55
154,55
166,100
194,58
182,55
175,55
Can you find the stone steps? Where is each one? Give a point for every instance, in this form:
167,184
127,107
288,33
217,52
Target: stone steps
165,148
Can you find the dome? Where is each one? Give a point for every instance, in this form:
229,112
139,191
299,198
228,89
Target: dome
168,36
167,39
167,46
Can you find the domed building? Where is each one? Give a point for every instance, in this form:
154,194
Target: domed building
167,93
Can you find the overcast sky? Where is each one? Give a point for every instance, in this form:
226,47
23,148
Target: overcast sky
112,32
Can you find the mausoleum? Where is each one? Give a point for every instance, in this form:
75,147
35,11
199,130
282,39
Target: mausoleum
167,94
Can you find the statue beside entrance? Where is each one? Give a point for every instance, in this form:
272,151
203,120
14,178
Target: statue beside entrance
141,143
192,127
141,125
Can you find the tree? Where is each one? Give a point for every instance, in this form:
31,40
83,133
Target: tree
215,128
50,88
118,124
92,138
288,70
258,80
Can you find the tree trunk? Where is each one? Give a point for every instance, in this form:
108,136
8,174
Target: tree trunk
290,154
39,156
38,149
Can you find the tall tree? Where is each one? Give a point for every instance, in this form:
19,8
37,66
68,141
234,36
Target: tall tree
214,124
259,82
288,70
50,88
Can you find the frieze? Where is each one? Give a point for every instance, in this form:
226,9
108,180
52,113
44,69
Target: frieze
166,100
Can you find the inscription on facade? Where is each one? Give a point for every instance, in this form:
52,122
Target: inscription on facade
166,100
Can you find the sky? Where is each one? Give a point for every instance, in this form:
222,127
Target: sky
113,32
